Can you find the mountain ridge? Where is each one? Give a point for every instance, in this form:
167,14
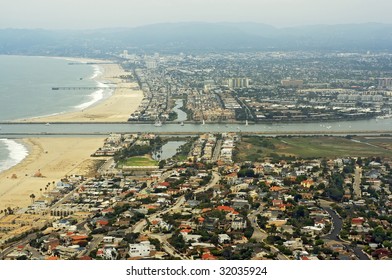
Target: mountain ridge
199,36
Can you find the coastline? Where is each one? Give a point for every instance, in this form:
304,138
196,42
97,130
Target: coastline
17,152
116,107
54,158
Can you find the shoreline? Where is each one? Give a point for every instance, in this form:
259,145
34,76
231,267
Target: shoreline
54,158
114,107
17,150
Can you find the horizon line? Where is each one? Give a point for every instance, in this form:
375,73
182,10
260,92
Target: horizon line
196,22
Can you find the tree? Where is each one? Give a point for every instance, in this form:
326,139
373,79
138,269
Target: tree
32,196
246,172
162,164
379,234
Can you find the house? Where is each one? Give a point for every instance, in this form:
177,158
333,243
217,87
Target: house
307,183
208,256
313,230
239,223
223,238
225,208
108,253
61,224
294,244
357,221
142,249
190,237
240,203
210,223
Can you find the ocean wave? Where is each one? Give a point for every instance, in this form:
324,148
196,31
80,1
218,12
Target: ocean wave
98,71
16,153
96,96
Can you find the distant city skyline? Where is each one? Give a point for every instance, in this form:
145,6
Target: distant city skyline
93,14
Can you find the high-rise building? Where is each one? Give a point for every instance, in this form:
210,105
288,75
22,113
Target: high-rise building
238,82
151,63
385,83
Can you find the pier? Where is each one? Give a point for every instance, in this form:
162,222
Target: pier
84,88
90,63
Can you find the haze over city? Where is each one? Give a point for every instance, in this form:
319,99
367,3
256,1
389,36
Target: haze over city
89,14
196,130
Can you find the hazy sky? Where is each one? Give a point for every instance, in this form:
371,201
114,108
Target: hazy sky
87,14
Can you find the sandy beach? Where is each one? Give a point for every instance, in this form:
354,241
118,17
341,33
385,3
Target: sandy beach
117,108
54,158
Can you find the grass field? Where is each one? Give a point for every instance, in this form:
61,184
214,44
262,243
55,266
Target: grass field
255,148
139,161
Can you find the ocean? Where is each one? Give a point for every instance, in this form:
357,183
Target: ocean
26,91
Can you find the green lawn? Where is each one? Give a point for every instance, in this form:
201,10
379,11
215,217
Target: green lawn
255,148
140,161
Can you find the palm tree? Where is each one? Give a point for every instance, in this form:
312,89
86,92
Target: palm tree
32,196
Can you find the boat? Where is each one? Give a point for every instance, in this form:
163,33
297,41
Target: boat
204,122
246,122
47,124
182,123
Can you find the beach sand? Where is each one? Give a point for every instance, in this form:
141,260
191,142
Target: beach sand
117,108
55,158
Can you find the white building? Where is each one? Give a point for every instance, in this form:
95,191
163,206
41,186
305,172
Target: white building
238,223
223,238
238,82
142,249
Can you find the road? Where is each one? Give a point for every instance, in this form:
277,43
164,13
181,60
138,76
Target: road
260,235
11,247
217,150
93,244
337,224
357,182
167,247
108,167
214,180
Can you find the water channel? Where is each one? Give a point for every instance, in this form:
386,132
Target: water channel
348,127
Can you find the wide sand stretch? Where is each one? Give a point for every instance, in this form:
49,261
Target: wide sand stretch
56,157
117,108
53,158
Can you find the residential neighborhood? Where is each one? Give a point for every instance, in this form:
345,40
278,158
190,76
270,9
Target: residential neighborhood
208,201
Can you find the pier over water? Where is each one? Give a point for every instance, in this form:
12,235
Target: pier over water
84,88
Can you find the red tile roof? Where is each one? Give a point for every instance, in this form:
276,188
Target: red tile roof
225,208
208,256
